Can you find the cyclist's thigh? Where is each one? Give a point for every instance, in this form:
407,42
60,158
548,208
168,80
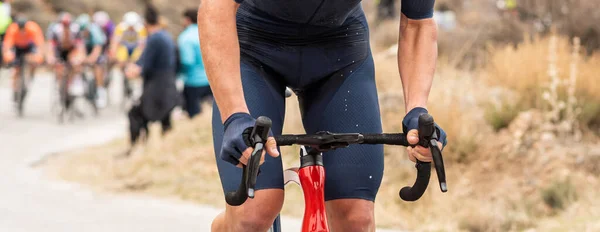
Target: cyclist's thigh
264,97
345,103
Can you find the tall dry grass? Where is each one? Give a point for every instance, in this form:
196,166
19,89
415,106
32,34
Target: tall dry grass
524,72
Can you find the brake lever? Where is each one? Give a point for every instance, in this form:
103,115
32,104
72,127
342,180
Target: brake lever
438,162
253,168
428,138
258,137
246,189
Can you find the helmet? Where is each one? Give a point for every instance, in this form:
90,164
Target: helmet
101,18
131,19
21,21
83,20
65,18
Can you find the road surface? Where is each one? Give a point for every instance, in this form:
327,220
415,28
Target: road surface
29,202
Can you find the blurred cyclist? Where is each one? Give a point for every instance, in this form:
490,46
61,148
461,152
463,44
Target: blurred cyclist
94,40
64,44
127,44
102,19
129,38
22,40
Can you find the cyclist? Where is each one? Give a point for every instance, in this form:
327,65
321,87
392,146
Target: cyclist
253,49
128,40
128,43
102,19
23,38
64,45
94,40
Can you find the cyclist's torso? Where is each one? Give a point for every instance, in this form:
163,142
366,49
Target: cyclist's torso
31,34
130,38
328,13
108,30
92,36
62,39
303,53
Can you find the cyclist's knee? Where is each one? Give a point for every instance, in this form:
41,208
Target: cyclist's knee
351,214
259,213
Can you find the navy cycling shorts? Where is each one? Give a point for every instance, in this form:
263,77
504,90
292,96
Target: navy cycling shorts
332,72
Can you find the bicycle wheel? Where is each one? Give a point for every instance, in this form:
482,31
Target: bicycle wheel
92,91
64,97
127,94
21,90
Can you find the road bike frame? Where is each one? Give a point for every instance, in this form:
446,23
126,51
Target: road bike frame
311,174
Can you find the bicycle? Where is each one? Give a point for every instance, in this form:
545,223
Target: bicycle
91,89
23,84
68,96
311,173
128,94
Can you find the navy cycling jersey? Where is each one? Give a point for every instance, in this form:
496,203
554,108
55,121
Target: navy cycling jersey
330,12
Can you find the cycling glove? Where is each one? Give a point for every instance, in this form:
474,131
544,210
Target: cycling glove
411,122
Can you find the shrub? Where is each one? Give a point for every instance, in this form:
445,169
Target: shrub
559,194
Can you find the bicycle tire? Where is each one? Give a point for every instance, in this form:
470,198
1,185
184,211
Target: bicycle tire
22,90
64,94
92,91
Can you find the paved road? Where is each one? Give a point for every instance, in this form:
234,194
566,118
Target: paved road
29,202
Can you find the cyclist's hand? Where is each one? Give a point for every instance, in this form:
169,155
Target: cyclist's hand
51,60
132,70
410,126
9,57
90,60
37,58
236,149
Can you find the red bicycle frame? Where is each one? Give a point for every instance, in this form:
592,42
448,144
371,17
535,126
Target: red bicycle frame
312,179
311,176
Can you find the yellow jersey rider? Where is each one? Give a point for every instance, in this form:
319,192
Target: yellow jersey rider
128,39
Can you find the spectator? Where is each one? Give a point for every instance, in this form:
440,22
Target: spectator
5,20
156,66
196,87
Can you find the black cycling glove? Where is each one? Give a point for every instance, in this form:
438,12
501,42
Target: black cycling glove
234,142
411,122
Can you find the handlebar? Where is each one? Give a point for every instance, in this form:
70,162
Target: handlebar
325,141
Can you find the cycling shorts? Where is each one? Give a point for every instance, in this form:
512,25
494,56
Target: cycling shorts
128,54
102,58
22,51
63,54
332,72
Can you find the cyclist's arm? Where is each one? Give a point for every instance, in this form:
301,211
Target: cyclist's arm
115,41
99,39
417,51
221,54
143,37
51,44
38,35
9,40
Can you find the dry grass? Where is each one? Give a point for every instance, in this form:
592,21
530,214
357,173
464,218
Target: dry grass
523,72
